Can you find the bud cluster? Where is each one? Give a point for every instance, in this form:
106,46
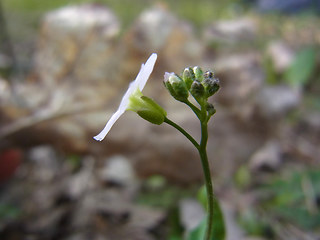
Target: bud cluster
201,85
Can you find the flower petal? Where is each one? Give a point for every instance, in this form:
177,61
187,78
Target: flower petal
109,124
139,82
145,71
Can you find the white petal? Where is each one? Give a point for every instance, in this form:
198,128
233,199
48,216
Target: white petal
139,82
125,99
109,124
145,71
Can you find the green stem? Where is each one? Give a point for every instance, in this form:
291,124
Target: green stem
180,129
207,176
193,108
202,149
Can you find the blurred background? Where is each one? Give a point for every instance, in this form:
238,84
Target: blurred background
64,66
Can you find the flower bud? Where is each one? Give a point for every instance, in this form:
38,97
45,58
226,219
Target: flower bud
198,73
208,74
176,86
210,83
188,77
146,108
153,113
197,89
210,109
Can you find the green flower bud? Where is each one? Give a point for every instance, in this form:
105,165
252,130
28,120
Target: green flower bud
176,86
197,89
188,77
210,83
210,109
208,74
146,108
198,73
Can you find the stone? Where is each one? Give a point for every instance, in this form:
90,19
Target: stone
241,78
234,231
312,120
77,42
191,213
280,55
274,102
158,30
83,181
231,31
118,170
107,213
267,158
45,161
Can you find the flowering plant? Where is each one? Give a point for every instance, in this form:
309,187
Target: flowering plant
200,85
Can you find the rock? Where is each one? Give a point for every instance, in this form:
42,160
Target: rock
234,232
47,222
82,182
241,77
77,46
281,56
312,121
274,102
118,170
231,143
231,31
302,142
191,213
267,158
46,163
107,213
158,30
77,42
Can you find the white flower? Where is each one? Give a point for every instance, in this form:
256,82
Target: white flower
137,84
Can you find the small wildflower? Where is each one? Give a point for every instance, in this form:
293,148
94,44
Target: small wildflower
135,88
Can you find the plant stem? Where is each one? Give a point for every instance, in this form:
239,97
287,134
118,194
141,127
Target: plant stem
202,149
207,176
180,129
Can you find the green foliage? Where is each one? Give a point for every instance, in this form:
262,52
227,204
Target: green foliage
198,232
74,161
176,229
202,197
157,192
9,212
252,223
294,199
218,228
313,102
219,231
302,68
243,177
156,182
271,75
